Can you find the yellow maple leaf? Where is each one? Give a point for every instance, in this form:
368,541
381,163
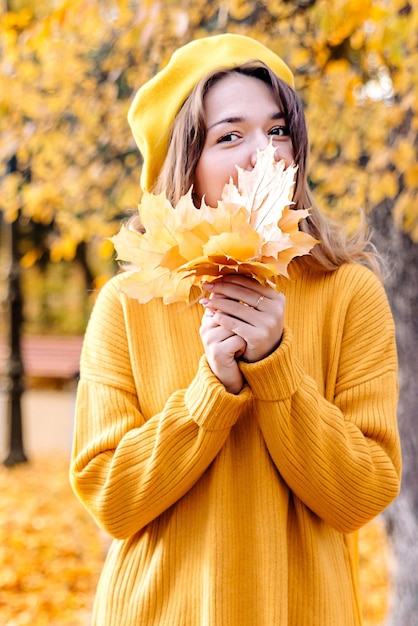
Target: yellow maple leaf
252,231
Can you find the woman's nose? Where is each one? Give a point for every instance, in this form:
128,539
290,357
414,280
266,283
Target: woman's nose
253,156
253,159
260,143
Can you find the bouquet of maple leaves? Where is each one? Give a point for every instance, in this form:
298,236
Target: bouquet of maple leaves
253,231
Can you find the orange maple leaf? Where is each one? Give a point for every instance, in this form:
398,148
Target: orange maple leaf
252,231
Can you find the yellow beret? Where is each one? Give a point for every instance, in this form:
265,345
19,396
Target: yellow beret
158,101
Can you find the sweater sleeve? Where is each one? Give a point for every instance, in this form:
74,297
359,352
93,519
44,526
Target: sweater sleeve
340,456
127,470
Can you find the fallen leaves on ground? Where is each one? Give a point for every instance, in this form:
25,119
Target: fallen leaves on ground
374,573
51,552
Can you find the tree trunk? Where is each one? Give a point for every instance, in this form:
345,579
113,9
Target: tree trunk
401,517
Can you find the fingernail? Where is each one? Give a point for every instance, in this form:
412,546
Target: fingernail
204,301
208,286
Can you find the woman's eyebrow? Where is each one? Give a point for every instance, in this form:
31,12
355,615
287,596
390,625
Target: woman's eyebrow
227,120
238,119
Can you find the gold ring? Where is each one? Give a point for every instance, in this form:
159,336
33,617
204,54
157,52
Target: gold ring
260,299
245,304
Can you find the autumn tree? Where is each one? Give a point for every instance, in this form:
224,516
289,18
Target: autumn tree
66,81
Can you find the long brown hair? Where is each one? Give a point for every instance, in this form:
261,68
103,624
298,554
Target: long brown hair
186,144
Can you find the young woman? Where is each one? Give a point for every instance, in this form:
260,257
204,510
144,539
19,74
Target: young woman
233,447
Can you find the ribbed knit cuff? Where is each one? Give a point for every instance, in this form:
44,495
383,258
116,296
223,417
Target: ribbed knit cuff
276,377
209,404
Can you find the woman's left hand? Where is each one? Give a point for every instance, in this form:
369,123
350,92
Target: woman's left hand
254,312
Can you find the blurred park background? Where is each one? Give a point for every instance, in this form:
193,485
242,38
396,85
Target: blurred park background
69,173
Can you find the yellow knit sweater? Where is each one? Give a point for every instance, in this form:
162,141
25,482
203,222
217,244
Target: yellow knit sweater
237,510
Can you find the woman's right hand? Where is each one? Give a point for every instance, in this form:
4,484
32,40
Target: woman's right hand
222,348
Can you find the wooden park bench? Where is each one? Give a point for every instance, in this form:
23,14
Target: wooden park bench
46,358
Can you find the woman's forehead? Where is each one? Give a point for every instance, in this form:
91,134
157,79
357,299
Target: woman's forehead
235,93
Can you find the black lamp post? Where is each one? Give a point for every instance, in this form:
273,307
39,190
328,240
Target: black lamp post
14,372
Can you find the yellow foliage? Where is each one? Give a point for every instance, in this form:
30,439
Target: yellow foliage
241,9
411,176
405,215
40,202
352,148
50,552
299,58
381,160
339,20
383,186
30,258
10,197
63,249
375,556
68,73
13,21
357,39
394,115
105,249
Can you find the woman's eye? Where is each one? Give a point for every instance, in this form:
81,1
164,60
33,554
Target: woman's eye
227,138
280,131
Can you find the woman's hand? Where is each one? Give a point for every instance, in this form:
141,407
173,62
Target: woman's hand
222,348
248,310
